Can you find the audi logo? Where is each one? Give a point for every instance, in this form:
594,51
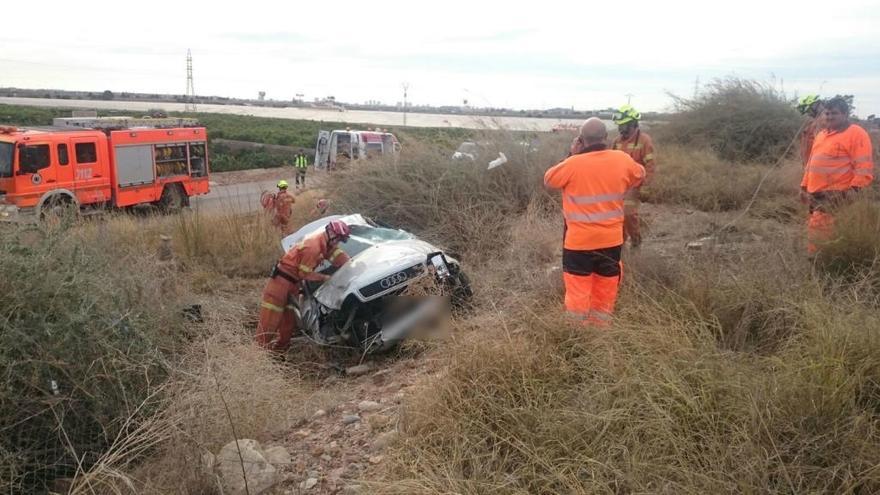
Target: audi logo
392,280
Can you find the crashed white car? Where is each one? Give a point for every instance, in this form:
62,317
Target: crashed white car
360,305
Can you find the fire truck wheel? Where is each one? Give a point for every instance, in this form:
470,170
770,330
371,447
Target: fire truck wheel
57,207
173,198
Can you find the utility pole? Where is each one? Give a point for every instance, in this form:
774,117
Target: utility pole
190,101
405,89
629,98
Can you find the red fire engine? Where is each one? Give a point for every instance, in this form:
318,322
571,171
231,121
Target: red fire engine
97,163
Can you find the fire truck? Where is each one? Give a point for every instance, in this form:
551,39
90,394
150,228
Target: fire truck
94,164
343,146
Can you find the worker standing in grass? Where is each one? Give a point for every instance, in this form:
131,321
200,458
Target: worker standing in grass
283,205
840,164
594,184
301,166
811,107
640,147
299,264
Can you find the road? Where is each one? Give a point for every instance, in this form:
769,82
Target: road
240,191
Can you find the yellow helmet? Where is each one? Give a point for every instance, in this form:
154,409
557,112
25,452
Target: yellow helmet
806,103
625,115
282,184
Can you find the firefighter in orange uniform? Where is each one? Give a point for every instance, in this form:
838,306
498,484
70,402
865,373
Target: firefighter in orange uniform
640,147
841,163
277,321
594,184
283,207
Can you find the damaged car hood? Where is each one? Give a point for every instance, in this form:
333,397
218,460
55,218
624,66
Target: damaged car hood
375,271
382,260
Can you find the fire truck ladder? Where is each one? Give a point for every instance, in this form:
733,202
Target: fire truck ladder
113,123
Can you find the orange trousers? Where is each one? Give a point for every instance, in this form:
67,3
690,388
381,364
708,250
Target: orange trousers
281,222
277,321
591,298
820,229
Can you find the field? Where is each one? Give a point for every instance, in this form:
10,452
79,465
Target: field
287,132
736,365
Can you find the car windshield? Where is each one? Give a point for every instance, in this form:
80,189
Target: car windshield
364,236
6,154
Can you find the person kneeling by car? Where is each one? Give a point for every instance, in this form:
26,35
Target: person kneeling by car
300,263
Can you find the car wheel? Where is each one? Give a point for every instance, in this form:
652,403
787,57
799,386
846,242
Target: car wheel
58,207
173,199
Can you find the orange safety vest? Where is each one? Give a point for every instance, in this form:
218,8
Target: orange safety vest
839,161
594,184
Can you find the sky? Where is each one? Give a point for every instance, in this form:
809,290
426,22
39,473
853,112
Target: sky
585,55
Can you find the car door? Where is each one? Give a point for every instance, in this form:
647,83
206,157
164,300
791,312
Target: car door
35,171
64,165
322,149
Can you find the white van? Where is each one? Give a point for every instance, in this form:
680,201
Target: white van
343,146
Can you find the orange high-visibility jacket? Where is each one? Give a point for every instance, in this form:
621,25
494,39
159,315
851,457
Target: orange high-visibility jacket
304,257
594,185
640,147
839,161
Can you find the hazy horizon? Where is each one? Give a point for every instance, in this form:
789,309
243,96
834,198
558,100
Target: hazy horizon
553,56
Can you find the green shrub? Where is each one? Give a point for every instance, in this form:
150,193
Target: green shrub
84,336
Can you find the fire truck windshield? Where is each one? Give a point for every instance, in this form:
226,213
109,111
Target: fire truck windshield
6,154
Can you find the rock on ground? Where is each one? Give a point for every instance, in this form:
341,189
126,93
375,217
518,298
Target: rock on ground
260,475
277,456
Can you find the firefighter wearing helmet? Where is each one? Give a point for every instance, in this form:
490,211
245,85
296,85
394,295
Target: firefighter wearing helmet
299,264
810,106
640,147
283,208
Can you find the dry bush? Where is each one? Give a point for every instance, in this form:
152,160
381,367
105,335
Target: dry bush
228,243
750,298
696,177
532,404
739,119
854,248
86,333
458,204
225,388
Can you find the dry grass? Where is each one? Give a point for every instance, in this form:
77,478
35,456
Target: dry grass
697,389
459,204
739,368
698,178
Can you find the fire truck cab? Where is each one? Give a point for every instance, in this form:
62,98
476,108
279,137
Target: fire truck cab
341,146
93,164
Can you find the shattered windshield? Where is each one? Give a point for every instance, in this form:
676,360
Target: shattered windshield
6,154
364,236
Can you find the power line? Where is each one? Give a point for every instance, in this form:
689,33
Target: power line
405,88
190,105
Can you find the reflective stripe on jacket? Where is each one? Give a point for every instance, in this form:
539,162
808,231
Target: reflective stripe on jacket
306,256
839,161
593,186
301,162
